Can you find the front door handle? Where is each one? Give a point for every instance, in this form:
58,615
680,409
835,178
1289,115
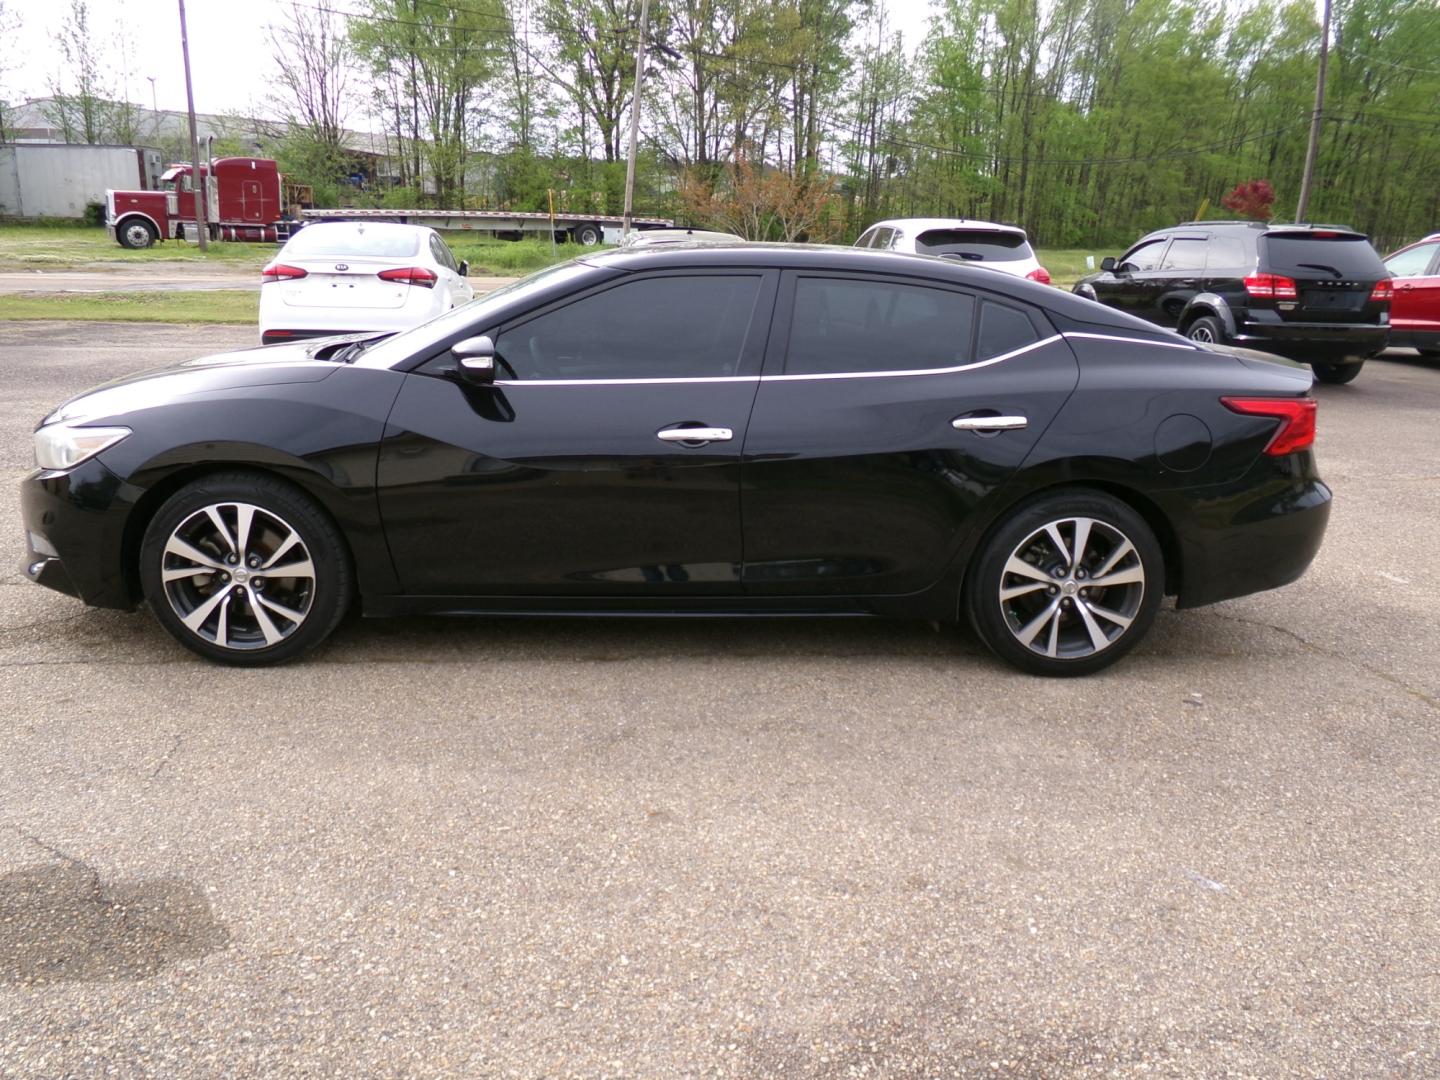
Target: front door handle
989,423
695,434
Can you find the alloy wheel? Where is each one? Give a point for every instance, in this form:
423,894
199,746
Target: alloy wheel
1202,333
1072,588
238,576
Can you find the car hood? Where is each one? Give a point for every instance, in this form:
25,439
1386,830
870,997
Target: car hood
267,365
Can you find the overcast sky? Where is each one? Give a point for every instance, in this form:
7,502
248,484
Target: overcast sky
229,48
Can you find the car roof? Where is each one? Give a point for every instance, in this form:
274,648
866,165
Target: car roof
924,224
370,226
866,261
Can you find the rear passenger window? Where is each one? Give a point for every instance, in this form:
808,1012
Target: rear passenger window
843,325
1002,330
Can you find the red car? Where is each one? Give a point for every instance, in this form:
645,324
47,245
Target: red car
1415,308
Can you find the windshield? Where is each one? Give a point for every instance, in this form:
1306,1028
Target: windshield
473,315
380,241
977,245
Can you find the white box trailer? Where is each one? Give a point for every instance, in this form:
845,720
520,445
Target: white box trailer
58,180
585,229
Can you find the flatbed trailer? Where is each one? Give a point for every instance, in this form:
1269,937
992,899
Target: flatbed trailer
587,229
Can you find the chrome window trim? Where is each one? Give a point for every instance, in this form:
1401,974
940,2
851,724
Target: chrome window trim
819,376
1131,340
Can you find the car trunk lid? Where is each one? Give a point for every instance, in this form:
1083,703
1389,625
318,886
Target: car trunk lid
344,281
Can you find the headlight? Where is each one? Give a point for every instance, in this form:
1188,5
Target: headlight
62,446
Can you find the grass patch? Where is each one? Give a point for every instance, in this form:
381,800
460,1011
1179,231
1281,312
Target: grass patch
62,247
220,306
489,257
1067,265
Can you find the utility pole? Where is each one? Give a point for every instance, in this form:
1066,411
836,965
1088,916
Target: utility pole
202,228
635,119
1302,208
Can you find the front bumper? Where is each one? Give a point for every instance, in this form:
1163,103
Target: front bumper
75,533
1251,537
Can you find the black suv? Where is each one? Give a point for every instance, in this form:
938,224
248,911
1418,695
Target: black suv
1314,293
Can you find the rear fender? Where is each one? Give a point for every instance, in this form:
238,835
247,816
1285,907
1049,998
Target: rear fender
1208,304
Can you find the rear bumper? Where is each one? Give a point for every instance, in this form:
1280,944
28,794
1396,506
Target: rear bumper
1310,342
75,532
1253,537
276,337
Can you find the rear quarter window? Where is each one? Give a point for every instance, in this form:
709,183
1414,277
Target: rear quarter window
974,245
1298,255
1003,329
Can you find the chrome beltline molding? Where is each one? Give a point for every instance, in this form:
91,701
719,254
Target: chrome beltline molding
823,376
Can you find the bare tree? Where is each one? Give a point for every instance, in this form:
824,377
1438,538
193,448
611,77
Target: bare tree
9,29
314,57
82,114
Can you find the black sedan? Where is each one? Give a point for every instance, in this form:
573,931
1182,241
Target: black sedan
757,430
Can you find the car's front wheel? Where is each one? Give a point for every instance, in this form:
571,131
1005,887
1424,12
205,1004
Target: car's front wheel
245,569
1337,373
1067,584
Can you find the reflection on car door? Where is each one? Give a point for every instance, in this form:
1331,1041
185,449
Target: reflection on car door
856,479
1137,283
1180,275
572,475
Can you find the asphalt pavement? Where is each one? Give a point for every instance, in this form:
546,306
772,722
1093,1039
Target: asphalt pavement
445,848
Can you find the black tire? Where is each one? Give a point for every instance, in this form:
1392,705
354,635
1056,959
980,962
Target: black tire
135,233
1207,329
1429,354
588,235
1337,374
1002,605
234,619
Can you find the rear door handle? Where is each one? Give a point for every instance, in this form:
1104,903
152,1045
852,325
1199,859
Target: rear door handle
695,434
989,423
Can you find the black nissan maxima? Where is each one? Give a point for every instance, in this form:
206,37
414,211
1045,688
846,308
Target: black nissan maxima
748,430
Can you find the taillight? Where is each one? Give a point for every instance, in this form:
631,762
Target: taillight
1384,291
280,272
1039,274
1271,286
1296,416
411,275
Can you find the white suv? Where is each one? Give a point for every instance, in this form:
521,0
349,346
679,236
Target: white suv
996,247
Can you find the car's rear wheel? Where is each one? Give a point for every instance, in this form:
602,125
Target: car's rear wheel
1337,373
1432,354
245,569
1067,584
1207,330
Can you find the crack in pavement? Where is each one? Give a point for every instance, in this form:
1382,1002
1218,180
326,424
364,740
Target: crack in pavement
1369,669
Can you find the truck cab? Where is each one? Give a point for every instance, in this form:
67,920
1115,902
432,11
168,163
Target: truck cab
242,202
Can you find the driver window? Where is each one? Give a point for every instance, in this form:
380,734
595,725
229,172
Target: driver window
1145,256
1412,263
655,328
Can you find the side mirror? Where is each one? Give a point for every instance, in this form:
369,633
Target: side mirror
464,267
1107,263
476,359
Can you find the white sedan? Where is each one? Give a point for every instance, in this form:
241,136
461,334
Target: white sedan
980,243
345,277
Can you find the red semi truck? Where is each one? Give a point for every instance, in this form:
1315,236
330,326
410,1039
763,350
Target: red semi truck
248,199
243,202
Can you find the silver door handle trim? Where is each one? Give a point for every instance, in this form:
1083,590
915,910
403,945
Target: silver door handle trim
989,423
695,434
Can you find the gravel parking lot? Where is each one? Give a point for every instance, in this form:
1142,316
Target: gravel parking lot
739,849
